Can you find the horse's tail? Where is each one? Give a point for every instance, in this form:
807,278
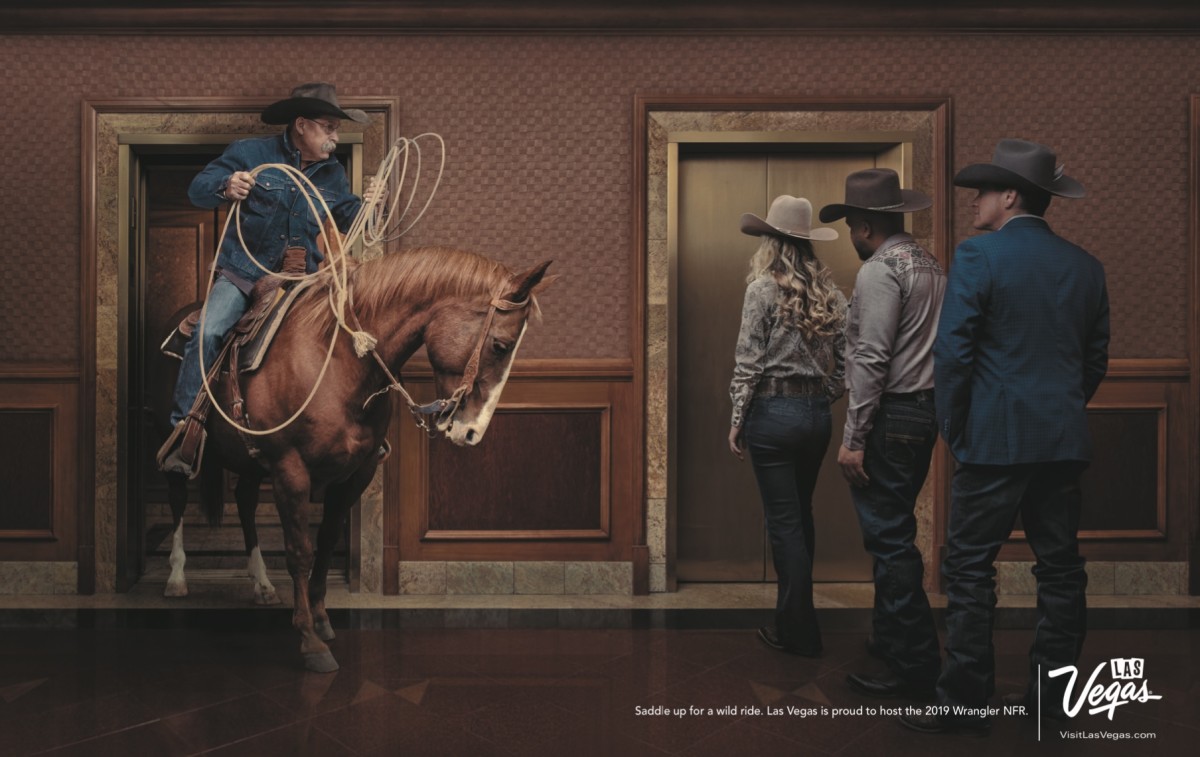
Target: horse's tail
212,489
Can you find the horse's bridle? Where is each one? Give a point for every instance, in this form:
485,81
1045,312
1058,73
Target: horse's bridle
441,411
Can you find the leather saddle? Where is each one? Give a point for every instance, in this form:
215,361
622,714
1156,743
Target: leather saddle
245,346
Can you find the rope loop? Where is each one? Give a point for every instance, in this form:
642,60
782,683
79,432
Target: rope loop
371,225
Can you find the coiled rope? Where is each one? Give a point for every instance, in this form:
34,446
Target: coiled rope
371,224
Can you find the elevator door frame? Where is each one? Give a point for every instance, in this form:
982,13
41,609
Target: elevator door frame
678,145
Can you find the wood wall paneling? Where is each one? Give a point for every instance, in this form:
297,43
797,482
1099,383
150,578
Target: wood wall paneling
1136,491
543,474
1125,487
38,483
27,473
551,480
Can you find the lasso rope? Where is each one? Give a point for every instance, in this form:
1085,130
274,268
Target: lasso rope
371,223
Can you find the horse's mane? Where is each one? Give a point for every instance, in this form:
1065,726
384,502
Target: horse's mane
421,274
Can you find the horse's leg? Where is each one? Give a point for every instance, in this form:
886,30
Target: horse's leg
246,494
292,490
339,499
177,495
331,522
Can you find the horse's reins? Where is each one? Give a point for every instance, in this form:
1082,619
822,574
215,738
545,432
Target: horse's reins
442,409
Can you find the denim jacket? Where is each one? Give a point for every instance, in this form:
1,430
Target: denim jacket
275,216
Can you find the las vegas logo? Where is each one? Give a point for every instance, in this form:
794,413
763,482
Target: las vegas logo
1127,674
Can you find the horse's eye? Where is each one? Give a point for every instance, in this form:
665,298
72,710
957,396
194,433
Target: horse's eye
500,348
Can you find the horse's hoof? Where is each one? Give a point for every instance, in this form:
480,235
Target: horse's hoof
324,630
268,597
320,662
176,589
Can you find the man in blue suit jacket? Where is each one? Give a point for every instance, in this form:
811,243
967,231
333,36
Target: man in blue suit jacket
1022,345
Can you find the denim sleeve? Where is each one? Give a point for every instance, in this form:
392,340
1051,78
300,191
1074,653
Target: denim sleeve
204,189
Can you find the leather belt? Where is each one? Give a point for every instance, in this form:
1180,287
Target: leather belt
797,386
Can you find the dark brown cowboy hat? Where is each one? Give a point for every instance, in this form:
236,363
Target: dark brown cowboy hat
877,190
311,100
1021,164
788,217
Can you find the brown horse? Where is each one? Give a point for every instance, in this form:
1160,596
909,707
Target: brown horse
470,314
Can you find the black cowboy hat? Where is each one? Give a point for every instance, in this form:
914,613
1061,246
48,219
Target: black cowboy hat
877,190
311,100
1021,164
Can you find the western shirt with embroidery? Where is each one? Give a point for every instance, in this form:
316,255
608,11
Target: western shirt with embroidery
890,330
768,346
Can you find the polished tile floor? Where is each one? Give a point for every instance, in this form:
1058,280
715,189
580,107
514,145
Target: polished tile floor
574,682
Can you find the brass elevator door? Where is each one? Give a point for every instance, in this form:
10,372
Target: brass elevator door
720,531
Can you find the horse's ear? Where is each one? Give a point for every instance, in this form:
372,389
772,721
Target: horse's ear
531,281
545,282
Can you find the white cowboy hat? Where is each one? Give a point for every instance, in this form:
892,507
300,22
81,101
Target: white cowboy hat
788,217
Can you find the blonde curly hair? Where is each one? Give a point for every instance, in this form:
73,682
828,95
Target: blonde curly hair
809,299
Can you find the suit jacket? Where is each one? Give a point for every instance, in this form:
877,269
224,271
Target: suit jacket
1022,344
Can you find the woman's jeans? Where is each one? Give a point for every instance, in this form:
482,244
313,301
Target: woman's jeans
787,438
226,304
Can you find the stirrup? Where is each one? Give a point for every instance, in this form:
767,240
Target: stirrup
182,451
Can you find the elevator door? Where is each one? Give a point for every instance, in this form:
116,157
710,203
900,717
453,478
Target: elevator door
721,533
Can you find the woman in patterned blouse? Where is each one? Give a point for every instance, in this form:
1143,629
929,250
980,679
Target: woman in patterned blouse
789,367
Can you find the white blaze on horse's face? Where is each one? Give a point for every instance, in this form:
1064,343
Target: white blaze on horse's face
454,335
471,422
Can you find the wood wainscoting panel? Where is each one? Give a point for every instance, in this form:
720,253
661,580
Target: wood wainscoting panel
1135,492
554,479
1127,480
1125,487
38,485
543,474
27,475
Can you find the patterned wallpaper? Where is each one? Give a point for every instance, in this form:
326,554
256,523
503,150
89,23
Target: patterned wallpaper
539,136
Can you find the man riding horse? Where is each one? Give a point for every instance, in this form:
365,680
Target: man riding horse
275,220
469,313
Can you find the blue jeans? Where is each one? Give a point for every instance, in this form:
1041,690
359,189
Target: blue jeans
787,438
896,459
226,304
986,500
